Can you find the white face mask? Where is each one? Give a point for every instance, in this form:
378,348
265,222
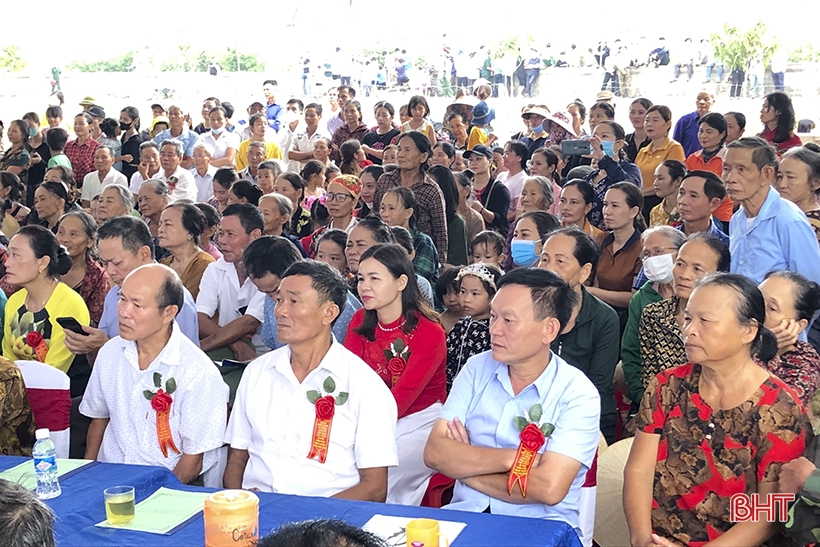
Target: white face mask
658,269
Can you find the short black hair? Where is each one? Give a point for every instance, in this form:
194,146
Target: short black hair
378,229
713,185
299,102
325,279
320,533
249,216
269,255
56,137
315,106
171,292
25,521
447,280
519,149
133,231
551,295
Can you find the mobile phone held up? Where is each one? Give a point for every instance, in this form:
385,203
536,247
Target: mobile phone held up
578,147
69,323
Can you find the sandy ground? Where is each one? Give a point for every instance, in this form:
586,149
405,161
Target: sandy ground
557,87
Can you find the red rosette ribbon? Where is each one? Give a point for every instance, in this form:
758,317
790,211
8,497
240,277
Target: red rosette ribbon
325,410
36,341
532,439
161,403
396,367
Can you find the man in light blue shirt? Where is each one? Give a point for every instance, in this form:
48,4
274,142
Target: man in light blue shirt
477,436
768,232
266,260
180,132
125,244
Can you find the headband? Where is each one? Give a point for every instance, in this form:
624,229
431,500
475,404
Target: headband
480,270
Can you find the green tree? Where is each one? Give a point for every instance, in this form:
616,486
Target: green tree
248,62
121,63
736,48
11,60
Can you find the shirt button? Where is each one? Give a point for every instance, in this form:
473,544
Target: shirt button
712,426
708,436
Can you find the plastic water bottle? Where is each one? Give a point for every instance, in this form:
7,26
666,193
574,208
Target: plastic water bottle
45,466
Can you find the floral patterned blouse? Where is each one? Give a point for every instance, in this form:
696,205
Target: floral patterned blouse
799,369
705,456
94,288
469,337
659,217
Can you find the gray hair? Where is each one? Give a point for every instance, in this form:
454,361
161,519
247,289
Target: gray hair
284,204
205,146
108,148
257,144
25,521
546,188
148,144
124,193
176,143
161,187
676,237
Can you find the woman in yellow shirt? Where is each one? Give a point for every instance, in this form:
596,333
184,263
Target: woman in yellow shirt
259,127
657,126
31,331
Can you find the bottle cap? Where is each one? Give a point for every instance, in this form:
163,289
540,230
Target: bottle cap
41,434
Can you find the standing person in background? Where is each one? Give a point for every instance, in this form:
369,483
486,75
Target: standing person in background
291,123
301,147
382,135
419,111
17,158
224,143
414,153
179,131
638,138
657,126
354,128
273,111
131,141
338,98
777,116
686,129
779,60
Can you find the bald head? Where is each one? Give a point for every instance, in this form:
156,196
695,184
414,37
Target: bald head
150,298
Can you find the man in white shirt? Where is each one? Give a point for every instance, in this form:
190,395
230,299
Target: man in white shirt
149,166
229,306
301,147
345,93
105,174
203,172
311,418
154,397
292,124
180,180
180,132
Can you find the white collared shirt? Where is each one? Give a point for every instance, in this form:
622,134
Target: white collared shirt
221,294
221,144
204,185
93,186
185,187
197,415
273,419
301,142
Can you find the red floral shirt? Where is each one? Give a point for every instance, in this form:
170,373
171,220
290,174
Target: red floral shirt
706,456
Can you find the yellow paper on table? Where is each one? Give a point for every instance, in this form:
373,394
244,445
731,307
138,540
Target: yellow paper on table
162,511
24,475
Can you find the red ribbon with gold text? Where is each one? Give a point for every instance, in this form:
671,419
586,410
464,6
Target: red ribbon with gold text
532,438
325,408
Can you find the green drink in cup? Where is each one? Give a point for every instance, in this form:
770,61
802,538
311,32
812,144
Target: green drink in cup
119,504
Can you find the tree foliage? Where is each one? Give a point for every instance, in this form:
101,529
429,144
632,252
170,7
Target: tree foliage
11,60
736,48
248,62
121,63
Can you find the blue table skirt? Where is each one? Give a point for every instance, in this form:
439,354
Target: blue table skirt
81,506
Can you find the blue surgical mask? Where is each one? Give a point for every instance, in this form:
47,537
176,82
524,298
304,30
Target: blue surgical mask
606,146
523,252
32,131
538,129
217,131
